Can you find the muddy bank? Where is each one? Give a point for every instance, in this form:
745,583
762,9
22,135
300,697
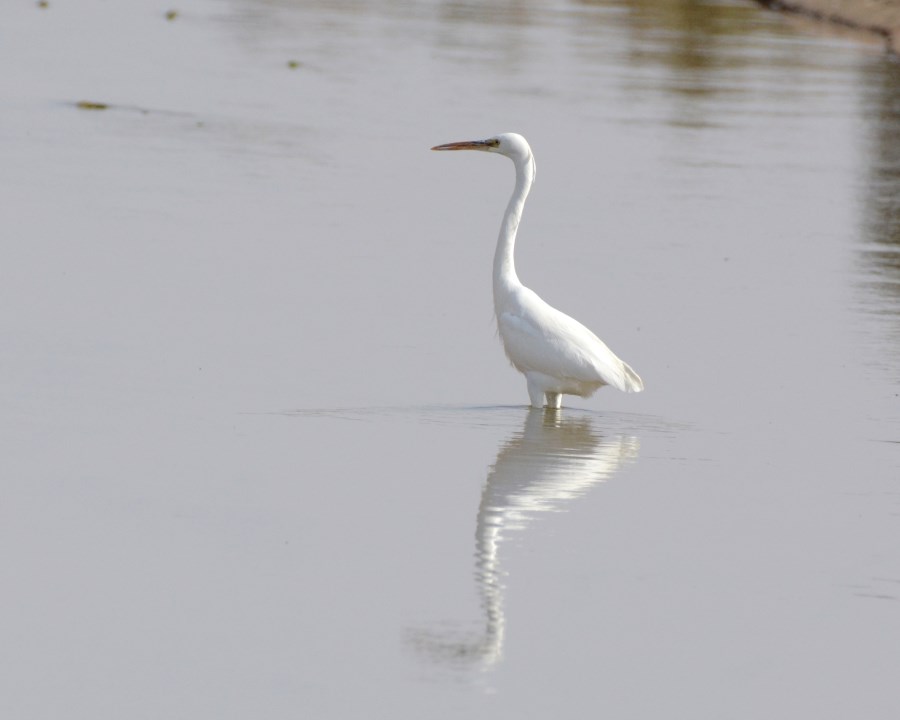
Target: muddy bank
879,18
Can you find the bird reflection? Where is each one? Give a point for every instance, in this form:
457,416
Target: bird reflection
550,463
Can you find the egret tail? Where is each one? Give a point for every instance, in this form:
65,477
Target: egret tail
633,382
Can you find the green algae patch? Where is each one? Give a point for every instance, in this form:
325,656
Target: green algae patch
91,105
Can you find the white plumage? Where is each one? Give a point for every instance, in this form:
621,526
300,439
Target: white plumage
556,353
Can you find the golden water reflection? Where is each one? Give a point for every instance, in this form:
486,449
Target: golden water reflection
881,189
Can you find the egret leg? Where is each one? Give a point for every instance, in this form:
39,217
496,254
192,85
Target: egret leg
554,400
535,393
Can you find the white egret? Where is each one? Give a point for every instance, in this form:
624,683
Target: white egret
556,353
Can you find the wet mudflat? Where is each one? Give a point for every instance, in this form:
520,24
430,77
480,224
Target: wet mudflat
263,455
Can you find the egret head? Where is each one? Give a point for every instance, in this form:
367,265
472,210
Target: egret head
513,145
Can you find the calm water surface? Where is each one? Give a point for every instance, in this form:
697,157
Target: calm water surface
263,456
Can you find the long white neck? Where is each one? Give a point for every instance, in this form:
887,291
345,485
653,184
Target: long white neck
505,278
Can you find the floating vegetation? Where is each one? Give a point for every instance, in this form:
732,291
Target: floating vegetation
115,107
91,105
43,4
293,64
171,15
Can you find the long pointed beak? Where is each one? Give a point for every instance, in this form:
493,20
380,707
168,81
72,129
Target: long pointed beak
464,145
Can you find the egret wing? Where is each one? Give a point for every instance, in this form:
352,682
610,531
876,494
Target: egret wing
542,339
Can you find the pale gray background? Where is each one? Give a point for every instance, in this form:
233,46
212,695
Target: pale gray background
262,454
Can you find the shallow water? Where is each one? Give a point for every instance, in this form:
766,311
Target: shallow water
263,454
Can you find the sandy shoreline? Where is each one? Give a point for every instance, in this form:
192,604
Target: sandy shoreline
875,17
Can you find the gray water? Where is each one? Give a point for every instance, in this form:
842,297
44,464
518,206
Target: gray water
263,456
